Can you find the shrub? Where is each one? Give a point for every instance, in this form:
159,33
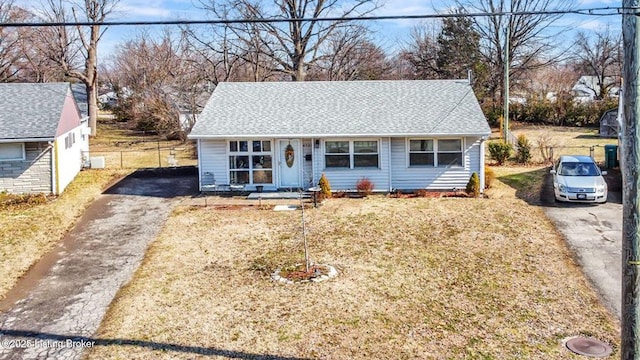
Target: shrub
523,150
364,186
489,176
473,186
500,151
325,187
546,145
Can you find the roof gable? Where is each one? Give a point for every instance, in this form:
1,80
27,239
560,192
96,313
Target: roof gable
342,108
31,110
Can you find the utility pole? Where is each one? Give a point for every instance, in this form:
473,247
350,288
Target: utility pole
630,166
505,123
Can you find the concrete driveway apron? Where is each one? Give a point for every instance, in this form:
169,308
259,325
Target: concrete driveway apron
59,313
594,234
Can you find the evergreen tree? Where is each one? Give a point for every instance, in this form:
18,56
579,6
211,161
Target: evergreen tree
458,50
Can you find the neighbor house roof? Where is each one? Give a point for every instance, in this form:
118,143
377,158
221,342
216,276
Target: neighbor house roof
31,110
341,108
587,86
79,91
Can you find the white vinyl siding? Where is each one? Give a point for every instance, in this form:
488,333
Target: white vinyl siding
212,158
408,177
69,157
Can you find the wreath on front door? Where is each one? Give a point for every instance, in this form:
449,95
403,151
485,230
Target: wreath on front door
288,155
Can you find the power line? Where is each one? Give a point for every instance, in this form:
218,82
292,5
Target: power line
601,11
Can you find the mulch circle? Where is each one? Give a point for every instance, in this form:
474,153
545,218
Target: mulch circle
299,274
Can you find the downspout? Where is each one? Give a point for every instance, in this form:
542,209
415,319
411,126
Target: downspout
313,163
390,167
199,152
56,170
482,186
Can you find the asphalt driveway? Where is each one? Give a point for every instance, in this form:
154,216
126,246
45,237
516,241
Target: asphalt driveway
594,234
56,315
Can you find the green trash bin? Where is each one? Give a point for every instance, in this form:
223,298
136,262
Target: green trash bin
610,156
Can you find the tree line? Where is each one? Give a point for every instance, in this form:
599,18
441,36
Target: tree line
158,77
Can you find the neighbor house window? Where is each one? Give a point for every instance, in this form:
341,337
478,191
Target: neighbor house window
250,162
351,153
12,152
430,152
69,140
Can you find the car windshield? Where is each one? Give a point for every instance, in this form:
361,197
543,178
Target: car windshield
578,169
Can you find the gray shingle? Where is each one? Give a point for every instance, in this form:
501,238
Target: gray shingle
31,110
79,91
342,108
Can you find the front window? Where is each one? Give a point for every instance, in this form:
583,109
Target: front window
431,152
337,154
12,152
350,154
421,152
250,162
450,152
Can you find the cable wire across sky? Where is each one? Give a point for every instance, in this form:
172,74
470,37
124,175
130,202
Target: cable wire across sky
601,11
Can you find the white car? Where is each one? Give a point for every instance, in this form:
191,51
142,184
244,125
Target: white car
577,178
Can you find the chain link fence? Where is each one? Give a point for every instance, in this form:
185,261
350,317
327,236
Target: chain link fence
152,155
549,154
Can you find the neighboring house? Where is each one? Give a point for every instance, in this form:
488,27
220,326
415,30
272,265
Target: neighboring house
587,88
42,137
108,99
401,135
189,105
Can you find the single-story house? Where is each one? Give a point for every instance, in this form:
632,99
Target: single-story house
401,135
43,137
587,88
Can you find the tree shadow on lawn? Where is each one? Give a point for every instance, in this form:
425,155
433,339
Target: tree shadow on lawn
231,354
536,187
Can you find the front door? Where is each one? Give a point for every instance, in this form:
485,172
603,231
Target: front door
289,162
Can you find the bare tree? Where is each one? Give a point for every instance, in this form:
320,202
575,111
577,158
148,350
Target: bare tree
75,51
160,85
600,55
350,55
12,41
421,51
531,39
295,45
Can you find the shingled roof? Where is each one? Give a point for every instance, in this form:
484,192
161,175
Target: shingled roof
31,111
342,108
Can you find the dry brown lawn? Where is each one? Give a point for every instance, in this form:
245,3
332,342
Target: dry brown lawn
428,278
29,232
123,148
564,140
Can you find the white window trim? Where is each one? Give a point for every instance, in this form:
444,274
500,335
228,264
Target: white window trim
24,153
351,154
250,153
435,152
